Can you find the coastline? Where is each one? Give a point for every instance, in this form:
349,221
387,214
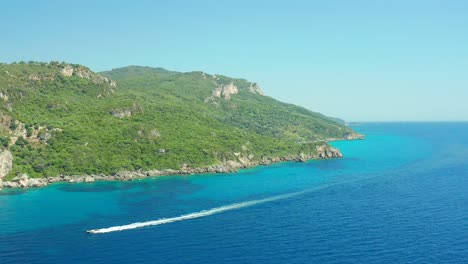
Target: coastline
324,151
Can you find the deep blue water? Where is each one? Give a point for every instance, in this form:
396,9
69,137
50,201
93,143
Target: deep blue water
400,196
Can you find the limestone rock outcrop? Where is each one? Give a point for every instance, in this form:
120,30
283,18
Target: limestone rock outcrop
225,91
353,136
85,73
6,163
127,112
328,152
254,88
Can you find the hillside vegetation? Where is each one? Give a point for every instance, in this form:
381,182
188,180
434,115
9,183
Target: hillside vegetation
64,119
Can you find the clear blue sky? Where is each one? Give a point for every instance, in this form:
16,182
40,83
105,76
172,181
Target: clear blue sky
358,60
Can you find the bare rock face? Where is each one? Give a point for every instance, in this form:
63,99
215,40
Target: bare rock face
89,179
85,73
34,183
228,90
24,181
254,88
67,71
121,113
10,184
328,152
217,92
127,112
224,91
353,136
6,163
3,96
244,161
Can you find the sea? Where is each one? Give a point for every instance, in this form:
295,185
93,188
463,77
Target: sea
399,196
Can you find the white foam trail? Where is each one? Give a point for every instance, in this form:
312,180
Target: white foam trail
199,214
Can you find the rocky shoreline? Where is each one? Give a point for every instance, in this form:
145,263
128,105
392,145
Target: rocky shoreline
23,181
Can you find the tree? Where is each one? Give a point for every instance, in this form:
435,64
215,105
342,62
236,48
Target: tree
29,132
4,141
13,125
21,142
39,164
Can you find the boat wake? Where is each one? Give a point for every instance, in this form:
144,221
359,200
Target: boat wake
199,214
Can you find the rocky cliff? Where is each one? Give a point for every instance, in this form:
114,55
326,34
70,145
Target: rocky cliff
353,136
6,162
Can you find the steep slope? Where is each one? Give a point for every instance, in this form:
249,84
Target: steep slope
63,119
235,102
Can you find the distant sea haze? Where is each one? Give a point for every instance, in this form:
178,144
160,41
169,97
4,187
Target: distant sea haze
397,197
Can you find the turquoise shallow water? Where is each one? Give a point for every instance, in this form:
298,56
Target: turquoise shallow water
398,196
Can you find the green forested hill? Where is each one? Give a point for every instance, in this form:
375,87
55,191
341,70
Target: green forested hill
64,119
